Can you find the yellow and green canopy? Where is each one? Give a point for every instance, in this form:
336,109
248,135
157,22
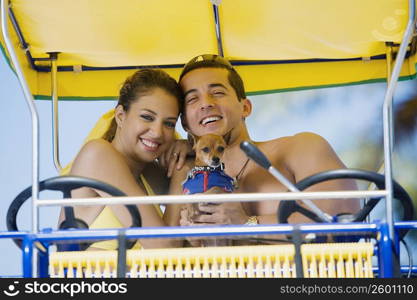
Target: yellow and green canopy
276,45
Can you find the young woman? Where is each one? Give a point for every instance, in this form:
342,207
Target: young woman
143,128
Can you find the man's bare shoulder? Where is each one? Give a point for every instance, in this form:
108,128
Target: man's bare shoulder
296,138
276,150
302,141
296,149
308,142
309,137
310,153
275,144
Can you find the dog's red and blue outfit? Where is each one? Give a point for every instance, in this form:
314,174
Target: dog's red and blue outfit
201,179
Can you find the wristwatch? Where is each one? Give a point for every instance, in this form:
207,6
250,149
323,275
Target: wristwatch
252,220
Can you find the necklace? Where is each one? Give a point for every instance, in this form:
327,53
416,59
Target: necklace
240,173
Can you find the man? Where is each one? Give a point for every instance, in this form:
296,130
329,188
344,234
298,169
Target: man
215,102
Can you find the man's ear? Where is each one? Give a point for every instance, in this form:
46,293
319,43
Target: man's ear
192,139
119,115
183,122
247,107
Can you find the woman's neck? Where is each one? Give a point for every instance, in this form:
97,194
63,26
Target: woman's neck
135,165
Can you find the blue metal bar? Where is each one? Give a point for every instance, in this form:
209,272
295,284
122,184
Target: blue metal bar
43,263
27,253
384,249
406,269
195,231
403,269
406,225
385,255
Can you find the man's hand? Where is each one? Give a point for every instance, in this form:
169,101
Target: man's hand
186,214
220,213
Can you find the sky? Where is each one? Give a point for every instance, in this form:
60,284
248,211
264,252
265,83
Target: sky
344,116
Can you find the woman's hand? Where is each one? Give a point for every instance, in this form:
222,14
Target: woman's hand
175,156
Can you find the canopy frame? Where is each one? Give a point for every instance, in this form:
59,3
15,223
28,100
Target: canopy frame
388,115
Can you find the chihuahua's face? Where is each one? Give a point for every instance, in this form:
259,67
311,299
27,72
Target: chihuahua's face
209,150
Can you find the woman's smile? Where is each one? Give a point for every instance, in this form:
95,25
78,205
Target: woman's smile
150,145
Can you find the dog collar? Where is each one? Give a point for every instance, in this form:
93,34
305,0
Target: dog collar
199,169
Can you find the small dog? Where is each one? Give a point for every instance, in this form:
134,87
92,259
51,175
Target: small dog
206,176
208,173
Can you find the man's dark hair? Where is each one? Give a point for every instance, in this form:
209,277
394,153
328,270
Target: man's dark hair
215,61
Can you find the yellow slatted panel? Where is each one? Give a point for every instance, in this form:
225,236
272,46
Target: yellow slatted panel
337,260
272,261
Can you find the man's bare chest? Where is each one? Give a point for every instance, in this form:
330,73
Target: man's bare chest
258,180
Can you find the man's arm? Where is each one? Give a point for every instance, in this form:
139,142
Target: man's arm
305,154
311,154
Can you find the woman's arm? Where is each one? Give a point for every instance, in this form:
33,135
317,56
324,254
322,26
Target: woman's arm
99,160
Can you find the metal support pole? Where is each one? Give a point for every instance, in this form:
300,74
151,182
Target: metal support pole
212,198
389,57
35,128
32,107
372,186
217,24
55,122
387,116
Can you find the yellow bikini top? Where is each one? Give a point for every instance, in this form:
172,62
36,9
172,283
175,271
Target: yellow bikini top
107,219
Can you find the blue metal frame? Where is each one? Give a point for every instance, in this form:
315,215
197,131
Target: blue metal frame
27,250
47,237
385,255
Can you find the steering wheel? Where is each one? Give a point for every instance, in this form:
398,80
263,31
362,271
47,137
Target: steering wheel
66,184
287,207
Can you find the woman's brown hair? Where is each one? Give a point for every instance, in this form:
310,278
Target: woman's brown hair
139,84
